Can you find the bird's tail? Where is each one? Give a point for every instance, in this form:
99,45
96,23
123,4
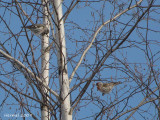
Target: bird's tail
119,82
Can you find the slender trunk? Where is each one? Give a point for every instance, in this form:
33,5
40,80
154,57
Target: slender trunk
45,66
62,63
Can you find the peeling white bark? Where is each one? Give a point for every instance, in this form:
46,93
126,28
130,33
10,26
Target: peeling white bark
45,113
62,63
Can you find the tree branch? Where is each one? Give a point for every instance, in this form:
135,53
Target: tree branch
104,59
89,46
18,63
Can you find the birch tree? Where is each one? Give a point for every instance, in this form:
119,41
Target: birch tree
53,76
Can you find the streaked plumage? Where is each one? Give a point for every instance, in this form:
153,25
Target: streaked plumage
38,29
105,88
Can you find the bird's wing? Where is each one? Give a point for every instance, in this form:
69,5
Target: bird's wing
106,84
116,83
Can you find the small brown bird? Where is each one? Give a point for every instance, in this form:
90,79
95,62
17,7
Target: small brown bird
38,29
105,88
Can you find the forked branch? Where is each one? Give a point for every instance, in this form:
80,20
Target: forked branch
89,46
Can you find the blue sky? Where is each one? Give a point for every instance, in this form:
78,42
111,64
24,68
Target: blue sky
87,17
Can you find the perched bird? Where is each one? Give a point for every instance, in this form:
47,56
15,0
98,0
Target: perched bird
38,29
105,88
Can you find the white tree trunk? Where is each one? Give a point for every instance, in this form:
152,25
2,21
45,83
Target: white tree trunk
45,65
62,63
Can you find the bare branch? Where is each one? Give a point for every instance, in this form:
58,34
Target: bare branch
94,36
18,63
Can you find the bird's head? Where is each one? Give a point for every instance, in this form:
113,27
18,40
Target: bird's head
99,85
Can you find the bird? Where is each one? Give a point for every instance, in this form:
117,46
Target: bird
105,88
38,29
